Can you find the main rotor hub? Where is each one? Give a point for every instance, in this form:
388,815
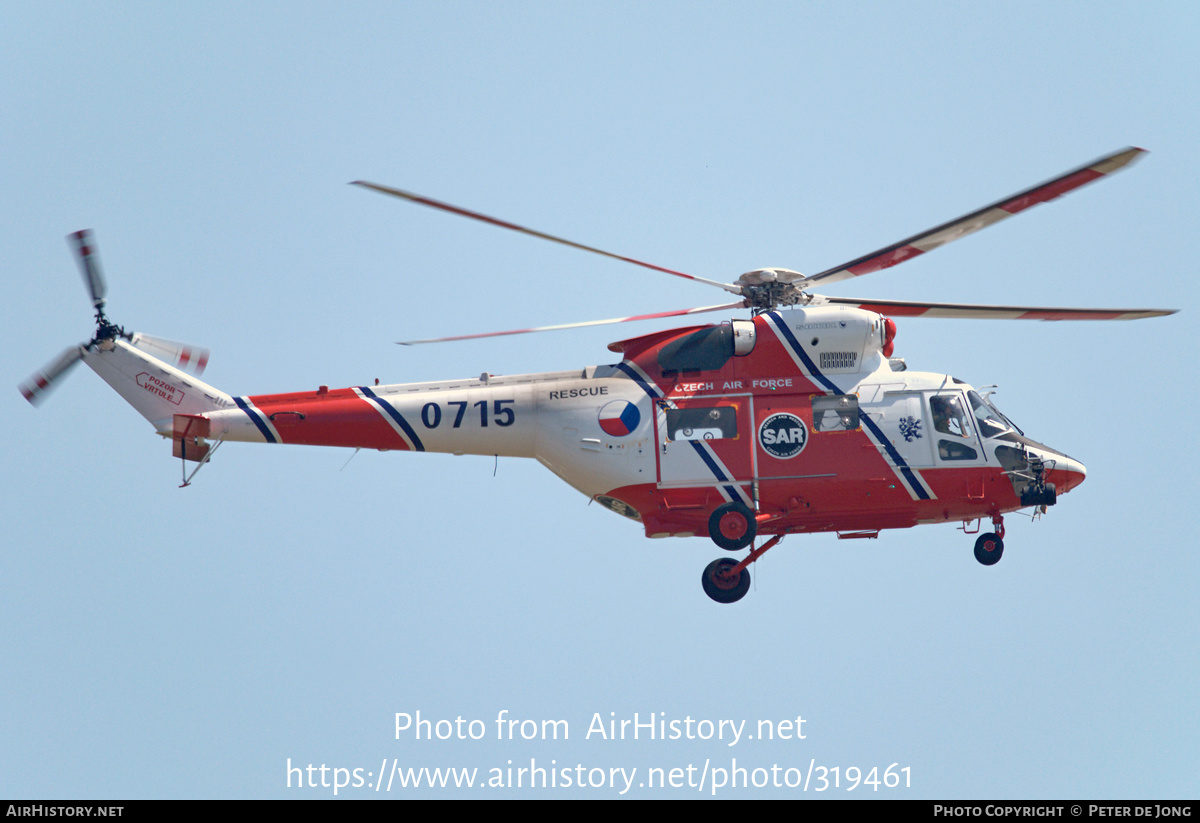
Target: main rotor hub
767,289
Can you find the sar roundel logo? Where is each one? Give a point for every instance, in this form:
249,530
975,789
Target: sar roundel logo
619,418
783,435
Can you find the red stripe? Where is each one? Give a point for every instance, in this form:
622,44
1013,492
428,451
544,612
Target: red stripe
1050,191
336,418
895,311
1071,315
886,260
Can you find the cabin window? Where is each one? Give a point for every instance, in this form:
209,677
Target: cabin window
953,450
835,412
714,423
705,349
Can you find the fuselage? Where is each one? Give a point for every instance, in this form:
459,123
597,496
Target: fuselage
797,413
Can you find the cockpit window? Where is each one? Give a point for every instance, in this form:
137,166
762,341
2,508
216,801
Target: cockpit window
949,416
992,421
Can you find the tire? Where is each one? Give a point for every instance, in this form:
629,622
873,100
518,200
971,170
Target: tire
732,526
989,549
723,589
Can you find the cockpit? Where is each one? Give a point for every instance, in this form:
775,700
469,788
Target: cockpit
1029,464
991,420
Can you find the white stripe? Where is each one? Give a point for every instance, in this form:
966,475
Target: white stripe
773,319
384,414
266,420
661,405
960,229
732,481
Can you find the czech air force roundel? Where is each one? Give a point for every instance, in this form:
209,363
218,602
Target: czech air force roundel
783,435
619,418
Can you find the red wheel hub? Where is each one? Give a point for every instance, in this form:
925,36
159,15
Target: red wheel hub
722,579
733,526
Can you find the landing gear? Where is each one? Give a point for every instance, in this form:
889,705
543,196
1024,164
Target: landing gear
732,526
989,548
1038,492
721,585
726,580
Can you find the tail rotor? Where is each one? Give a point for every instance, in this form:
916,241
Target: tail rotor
84,244
180,355
40,383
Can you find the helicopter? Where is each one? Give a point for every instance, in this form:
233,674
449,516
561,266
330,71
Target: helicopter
796,419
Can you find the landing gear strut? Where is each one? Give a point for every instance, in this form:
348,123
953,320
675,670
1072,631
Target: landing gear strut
989,547
726,580
1039,492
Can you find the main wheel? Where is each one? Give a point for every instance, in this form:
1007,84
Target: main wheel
720,586
989,549
732,526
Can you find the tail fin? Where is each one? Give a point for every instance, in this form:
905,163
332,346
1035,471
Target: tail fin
182,356
158,390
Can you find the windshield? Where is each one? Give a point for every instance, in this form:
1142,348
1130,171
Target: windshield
992,421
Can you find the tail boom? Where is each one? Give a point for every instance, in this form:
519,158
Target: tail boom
471,417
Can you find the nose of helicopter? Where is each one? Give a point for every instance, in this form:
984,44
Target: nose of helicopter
1068,472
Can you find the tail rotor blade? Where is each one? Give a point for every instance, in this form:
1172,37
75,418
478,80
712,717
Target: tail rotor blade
40,383
183,356
84,243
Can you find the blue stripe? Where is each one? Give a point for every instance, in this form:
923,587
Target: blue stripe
395,415
733,491
908,474
255,419
719,475
712,465
637,378
799,350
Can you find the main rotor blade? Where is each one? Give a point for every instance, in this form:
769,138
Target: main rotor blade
425,201
84,244
40,383
976,220
655,316
905,308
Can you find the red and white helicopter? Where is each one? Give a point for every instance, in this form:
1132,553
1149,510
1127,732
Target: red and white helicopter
795,419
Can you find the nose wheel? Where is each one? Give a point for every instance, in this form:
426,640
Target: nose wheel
989,549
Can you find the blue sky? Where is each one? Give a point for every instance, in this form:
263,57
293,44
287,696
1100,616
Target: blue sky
159,642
